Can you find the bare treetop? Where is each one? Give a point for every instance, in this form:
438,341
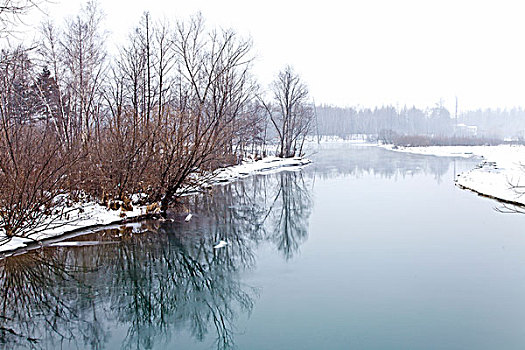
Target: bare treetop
11,12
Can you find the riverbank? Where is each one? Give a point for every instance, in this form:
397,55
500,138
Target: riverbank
251,167
85,217
500,174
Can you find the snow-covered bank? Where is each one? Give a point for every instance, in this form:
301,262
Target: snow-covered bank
81,218
442,151
358,139
500,170
263,166
499,175
86,216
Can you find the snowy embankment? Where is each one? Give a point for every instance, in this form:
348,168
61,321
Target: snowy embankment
82,218
353,139
263,166
444,151
499,175
86,217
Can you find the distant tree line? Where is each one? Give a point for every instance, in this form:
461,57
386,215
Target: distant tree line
436,121
177,101
500,123
345,121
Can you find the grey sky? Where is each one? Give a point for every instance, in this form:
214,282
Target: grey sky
368,52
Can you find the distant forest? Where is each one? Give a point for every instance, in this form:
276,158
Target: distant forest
437,122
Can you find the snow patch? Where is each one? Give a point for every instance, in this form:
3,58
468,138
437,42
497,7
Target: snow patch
500,174
86,215
264,166
442,151
80,243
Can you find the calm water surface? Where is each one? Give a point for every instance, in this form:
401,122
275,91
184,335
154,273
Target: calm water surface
363,249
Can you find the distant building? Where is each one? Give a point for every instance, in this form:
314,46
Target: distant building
465,130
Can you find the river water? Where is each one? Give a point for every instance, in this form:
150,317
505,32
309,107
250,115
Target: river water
363,249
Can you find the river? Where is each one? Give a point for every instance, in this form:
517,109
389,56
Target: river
363,249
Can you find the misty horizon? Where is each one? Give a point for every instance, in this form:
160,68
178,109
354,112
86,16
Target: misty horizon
363,54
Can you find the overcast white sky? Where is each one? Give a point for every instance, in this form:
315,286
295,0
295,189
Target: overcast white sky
367,52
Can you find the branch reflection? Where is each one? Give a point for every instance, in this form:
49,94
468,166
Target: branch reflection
290,214
162,281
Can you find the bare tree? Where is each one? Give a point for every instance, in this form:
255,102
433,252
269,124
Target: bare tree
84,58
291,114
50,52
12,11
34,167
212,76
137,100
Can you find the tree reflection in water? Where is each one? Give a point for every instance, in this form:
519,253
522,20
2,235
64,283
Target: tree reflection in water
163,278
290,214
37,290
356,162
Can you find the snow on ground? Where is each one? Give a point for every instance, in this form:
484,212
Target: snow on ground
501,168
92,214
357,139
442,151
264,166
